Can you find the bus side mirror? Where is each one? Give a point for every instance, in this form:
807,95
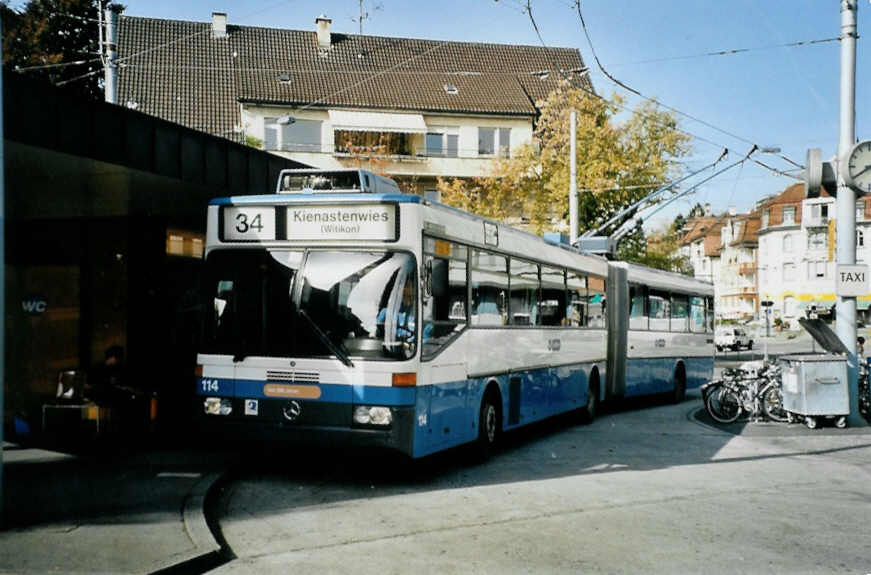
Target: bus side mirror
439,278
426,278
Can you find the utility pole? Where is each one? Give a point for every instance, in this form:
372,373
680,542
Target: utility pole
110,66
845,203
573,178
2,274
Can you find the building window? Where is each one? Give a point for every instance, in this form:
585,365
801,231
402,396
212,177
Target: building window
816,270
787,243
788,215
816,240
492,139
442,144
299,136
766,214
860,239
860,210
788,272
380,143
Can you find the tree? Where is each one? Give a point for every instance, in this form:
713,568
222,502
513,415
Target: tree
618,164
56,40
659,250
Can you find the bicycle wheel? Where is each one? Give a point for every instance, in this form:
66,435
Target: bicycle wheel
723,405
772,404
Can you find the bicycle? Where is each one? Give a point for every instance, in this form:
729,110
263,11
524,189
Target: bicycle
741,391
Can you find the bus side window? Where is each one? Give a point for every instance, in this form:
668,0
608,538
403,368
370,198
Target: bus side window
552,307
444,310
637,312
525,285
659,304
489,289
576,312
439,286
596,302
697,314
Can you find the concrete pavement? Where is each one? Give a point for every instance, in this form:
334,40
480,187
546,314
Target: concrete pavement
641,490
130,513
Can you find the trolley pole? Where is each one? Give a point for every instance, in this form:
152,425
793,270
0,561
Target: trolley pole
846,201
573,178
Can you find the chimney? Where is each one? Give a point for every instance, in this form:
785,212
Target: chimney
707,210
219,24
323,24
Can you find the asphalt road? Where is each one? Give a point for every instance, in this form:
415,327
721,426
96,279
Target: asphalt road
647,489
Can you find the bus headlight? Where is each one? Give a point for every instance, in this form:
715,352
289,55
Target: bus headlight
373,415
218,406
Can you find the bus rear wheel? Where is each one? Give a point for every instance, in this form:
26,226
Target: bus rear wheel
488,425
588,412
680,384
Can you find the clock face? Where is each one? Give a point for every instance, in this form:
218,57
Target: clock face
859,167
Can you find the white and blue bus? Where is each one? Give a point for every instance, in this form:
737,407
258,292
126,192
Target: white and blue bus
340,310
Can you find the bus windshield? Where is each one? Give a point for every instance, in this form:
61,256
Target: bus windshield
301,304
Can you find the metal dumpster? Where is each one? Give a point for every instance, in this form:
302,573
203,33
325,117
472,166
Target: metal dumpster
815,386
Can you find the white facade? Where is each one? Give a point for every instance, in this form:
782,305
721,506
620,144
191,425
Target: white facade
432,145
797,262
736,292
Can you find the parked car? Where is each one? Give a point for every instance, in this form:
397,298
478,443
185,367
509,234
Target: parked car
733,338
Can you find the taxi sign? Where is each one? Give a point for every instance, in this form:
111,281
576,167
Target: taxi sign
851,280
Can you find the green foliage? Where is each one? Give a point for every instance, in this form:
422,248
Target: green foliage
617,164
253,142
52,32
659,251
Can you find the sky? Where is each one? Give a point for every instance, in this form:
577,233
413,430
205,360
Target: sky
767,94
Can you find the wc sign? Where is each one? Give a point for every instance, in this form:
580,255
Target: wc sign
34,305
852,280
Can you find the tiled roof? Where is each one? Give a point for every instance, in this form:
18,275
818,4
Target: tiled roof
791,196
697,228
177,70
713,240
747,233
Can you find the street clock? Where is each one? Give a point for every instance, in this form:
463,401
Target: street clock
857,167
819,176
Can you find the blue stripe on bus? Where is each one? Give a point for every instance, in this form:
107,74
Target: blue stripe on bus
656,375
336,393
446,414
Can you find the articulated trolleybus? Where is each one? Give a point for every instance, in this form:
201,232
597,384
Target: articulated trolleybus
341,310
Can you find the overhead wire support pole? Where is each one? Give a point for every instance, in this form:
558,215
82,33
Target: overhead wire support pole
2,273
573,178
845,203
111,65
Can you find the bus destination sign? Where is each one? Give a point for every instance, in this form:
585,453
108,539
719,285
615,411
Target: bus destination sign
356,222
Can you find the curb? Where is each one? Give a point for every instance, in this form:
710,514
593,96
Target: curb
208,553
194,516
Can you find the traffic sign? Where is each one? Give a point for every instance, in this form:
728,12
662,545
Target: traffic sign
851,280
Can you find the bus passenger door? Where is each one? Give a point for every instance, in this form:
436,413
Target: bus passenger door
448,419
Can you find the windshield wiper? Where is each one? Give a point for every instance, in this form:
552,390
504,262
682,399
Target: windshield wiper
325,339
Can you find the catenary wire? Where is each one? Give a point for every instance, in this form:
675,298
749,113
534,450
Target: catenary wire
577,4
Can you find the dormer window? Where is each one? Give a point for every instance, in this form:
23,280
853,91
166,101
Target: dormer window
285,78
451,89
